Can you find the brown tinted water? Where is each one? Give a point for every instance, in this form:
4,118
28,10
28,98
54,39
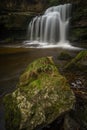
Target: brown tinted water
13,61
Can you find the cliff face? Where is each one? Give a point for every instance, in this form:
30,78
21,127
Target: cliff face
79,21
16,14
22,5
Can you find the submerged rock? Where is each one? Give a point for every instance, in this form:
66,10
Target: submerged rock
43,94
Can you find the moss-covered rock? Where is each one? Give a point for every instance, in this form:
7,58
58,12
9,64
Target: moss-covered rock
79,62
64,56
12,113
42,95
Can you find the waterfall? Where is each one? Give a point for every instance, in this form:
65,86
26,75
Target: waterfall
51,28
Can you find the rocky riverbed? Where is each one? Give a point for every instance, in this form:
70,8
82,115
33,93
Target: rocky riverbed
33,83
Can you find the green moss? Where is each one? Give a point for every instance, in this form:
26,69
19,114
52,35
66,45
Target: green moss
45,65
12,113
79,62
43,94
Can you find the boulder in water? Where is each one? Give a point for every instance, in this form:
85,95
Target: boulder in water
43,94
79,62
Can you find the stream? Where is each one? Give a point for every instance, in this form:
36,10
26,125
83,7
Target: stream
14,60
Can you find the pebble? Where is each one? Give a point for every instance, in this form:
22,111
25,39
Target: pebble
77,84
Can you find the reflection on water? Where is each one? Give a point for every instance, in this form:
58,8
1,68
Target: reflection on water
13,61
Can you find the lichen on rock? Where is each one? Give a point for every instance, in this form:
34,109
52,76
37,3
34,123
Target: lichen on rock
43,94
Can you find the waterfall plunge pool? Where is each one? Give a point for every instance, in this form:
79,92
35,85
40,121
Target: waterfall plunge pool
37,44
51,30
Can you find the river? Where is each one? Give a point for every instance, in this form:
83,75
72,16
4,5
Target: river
13,61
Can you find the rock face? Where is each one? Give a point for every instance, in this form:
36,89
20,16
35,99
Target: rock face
15,14
79,21
22,5
42,96
13,25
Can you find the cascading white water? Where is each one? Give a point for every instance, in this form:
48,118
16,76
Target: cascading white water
50,29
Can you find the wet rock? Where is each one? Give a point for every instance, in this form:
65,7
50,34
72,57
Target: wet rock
64,56
70,123
80,112
43,94
78,84
78,63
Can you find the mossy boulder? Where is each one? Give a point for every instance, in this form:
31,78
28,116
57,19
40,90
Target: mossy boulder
43,94
79,62
64,56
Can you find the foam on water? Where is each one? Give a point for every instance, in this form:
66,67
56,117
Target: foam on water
37,44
